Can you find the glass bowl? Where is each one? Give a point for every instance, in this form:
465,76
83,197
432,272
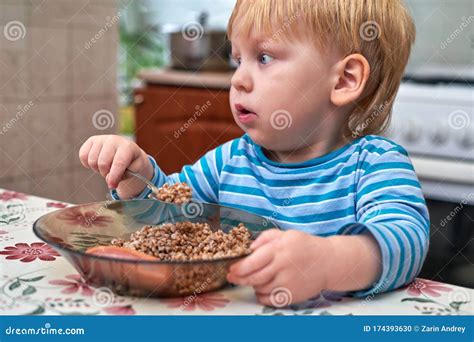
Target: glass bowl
73,230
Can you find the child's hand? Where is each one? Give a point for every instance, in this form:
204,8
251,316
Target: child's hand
110,155
293,262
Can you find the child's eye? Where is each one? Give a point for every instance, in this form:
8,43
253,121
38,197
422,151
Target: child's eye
265,59
236,60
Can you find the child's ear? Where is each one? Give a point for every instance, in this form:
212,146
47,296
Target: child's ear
351,75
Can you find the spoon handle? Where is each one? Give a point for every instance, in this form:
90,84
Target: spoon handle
149,184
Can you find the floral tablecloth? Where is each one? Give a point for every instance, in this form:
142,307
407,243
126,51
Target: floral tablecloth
35,279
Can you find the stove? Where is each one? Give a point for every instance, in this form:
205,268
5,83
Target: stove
435,123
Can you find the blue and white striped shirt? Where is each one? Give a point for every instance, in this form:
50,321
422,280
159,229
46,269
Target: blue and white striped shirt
368,185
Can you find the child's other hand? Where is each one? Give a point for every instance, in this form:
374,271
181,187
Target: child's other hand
292,262
110,155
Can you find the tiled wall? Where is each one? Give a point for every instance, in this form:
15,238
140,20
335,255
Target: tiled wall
57,87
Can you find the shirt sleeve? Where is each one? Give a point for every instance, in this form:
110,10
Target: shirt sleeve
202,176
391,207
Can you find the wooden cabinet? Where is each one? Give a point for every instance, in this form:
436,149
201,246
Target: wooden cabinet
178,124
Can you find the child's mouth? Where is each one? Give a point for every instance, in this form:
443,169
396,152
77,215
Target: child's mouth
245,115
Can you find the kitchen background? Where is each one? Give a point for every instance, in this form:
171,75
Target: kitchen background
158,72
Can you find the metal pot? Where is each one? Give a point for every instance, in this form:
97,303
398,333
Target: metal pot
195,47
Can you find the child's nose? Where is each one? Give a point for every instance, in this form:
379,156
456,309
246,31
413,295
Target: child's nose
242,80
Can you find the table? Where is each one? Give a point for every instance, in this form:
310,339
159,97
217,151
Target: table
35,279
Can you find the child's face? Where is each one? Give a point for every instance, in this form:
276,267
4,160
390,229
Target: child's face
286,86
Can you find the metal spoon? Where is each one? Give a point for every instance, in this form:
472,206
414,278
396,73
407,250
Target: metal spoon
212,211
149,185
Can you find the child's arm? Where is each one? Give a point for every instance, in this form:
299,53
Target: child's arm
202,176
384,249
391,207
295,266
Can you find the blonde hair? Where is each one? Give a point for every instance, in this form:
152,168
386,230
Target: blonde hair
380,30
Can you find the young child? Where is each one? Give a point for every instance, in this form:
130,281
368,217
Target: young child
315,82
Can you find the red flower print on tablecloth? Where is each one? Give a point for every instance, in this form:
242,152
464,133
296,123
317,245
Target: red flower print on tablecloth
426,287
206,302
120,310
9,195
74,284
85,219
2,232
28,253
56,205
